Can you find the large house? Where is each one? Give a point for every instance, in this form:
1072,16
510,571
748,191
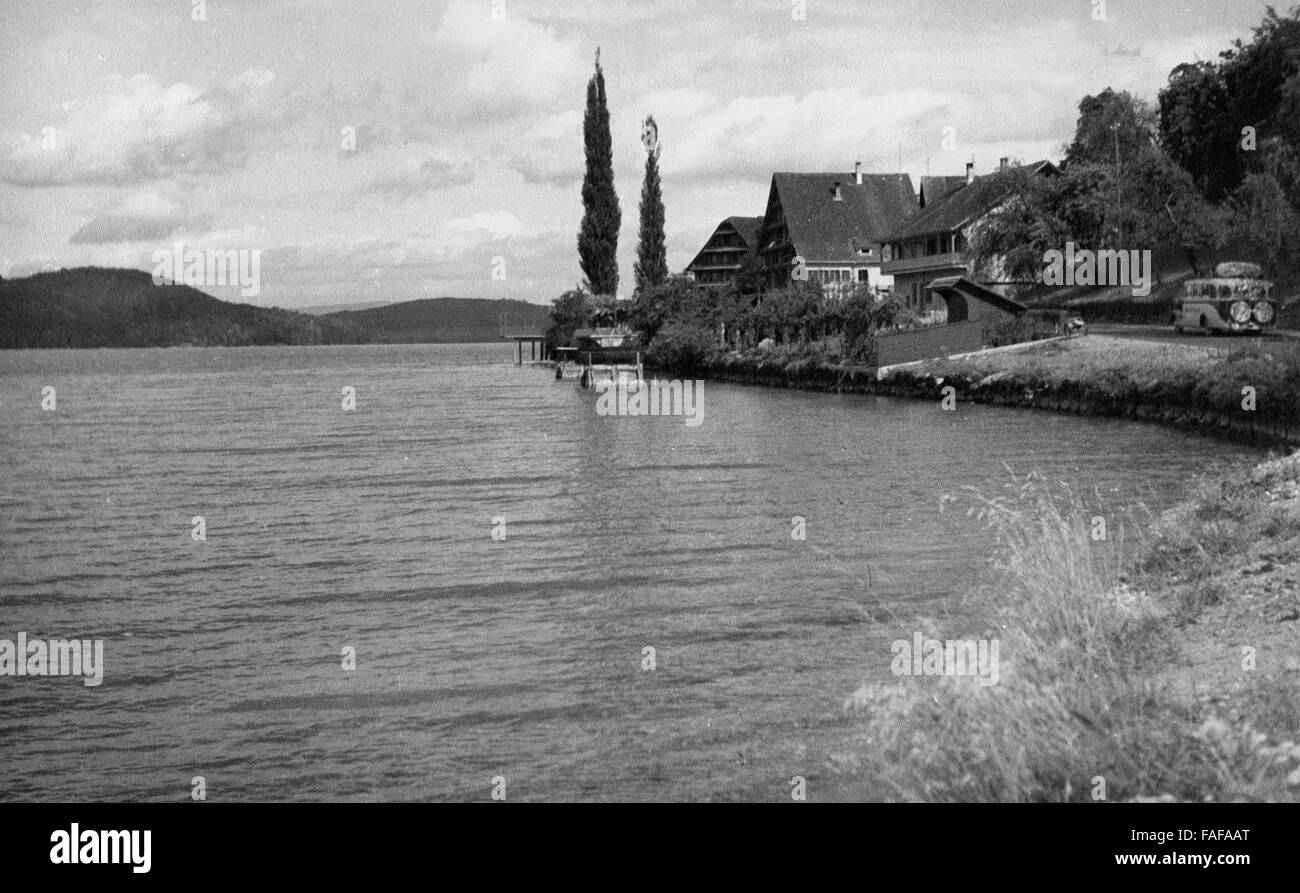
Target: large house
830,227
732,244
932,245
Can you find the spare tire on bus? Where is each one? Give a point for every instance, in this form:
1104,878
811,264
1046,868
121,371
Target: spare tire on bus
1238,269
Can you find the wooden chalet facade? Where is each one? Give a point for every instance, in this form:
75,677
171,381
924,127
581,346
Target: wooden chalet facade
732,244
834,224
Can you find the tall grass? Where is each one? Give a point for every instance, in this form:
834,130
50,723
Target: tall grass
1075,714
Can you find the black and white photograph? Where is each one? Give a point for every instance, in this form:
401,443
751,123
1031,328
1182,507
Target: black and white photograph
639,402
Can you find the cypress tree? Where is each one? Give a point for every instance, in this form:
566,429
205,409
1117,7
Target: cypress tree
651,266
601,218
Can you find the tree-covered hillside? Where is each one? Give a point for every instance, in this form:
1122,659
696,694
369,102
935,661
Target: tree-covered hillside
100,307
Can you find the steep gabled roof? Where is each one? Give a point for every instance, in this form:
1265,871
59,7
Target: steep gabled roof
971,289
963,204
747,228
823,229
935,188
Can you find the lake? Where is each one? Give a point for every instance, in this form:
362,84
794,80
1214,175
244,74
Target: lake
522,656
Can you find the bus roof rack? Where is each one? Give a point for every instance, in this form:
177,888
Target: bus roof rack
1238,269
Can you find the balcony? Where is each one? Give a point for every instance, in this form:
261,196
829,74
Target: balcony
949,261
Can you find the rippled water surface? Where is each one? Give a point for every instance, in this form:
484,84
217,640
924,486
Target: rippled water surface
478,658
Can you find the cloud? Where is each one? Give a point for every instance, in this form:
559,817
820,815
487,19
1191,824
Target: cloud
490,69
144,130
139,217
494,224
551,153
461,259
416,175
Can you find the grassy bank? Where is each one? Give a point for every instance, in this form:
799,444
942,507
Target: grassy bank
1202,388
1253,391
1124,671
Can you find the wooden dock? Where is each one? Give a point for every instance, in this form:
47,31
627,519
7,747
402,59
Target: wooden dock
536,346
579,365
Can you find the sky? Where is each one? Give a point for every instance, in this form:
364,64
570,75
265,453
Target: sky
385,151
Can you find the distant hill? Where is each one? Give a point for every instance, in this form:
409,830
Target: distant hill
322,309
433,320
100,307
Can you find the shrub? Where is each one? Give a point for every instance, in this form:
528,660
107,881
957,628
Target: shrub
675,300
682,348
569,312
1018,329
864,317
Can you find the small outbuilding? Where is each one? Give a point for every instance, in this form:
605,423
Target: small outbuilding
968,301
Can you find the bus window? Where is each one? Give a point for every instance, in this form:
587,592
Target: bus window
1225,292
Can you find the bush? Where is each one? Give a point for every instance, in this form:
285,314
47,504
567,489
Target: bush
569,312
676,300
865,317
1018,329
682,349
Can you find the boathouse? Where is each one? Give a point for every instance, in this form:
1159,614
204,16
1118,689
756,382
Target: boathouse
973,312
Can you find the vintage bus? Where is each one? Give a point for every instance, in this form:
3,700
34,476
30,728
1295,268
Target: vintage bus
1236,299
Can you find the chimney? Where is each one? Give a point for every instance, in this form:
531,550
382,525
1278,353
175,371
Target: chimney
970,172
839,195
857,172
1002,163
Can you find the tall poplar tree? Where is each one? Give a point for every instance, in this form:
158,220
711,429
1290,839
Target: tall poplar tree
601,218
651,266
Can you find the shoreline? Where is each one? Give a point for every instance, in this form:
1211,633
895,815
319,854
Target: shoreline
993,380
